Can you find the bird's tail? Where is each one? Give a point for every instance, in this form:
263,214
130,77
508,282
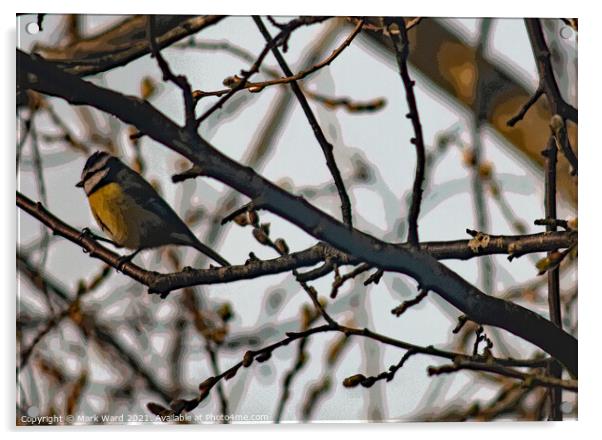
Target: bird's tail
210,253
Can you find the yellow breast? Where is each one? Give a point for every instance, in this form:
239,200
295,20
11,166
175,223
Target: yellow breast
115,213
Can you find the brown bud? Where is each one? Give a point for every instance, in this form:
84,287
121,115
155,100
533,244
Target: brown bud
353,381
281,246
207,384
494,189
555,256
556,123
486,170
469,157
256,89
548,263
231,81
231,374
252,218
261,236
306,316
241,219
265,227
247,359
158,410
147,87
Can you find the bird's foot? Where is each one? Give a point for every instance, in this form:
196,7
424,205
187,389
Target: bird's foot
87,233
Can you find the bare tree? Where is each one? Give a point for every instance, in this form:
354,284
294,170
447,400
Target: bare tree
540,125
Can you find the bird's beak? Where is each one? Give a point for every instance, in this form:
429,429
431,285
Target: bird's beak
80,184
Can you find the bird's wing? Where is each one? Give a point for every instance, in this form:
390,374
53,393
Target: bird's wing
166,226
149,200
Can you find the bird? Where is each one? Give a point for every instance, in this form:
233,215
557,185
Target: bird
129,210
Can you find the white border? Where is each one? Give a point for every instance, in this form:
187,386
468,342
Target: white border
591,146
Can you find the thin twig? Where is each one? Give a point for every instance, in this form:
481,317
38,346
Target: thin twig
245,75
525,107
529,380
367,382
327,147
259,86
340,280
83,289
554,307
401,45
547,80
348,104
265,353
262,235
399,310
168,75
309,317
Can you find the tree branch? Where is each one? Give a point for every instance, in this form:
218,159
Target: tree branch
179,80
91,65
165,283
270,44
265,353
90,324
327,147
260,86
547,80
528,379
45,78
402,53
525,108
550,154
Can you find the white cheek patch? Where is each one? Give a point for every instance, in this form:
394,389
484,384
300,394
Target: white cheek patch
94,180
